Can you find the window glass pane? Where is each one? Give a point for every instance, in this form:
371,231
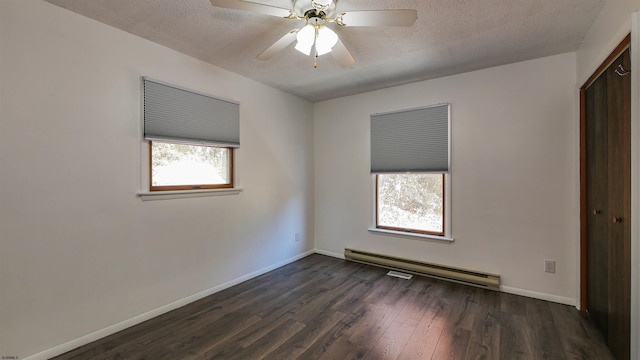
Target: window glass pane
411,202
180,164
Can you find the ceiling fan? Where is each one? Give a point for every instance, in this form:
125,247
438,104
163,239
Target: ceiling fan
316,35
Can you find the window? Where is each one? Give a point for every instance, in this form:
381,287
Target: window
186,167
191,136
410,203
410,161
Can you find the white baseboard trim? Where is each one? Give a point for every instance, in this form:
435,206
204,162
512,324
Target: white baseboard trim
506,289
109,330
329,253
538,295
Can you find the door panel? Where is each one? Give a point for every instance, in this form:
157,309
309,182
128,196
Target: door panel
619,191
597,202
607,147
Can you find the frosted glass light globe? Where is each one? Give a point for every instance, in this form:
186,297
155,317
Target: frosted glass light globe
306,38
326,40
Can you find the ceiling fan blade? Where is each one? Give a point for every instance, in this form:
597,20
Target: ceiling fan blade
249,6
279,45
378,18
342,55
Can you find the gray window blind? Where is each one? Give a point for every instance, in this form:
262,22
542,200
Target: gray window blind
174,114
415,140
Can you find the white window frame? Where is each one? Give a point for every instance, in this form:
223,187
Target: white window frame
144,164
146,194
448,190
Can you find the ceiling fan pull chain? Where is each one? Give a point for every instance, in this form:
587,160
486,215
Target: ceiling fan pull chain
315,46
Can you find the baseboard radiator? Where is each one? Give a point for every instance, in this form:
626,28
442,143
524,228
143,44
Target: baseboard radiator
461,276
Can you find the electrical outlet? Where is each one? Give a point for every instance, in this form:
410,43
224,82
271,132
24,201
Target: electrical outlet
297,237
550,266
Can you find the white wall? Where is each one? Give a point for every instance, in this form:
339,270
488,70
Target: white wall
607,31
514,174
79,250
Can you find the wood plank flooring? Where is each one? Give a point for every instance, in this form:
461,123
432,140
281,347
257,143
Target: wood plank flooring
326,308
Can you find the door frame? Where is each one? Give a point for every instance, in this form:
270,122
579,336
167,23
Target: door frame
635,186
624,45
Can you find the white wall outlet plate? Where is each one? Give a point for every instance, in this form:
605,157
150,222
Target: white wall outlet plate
550,266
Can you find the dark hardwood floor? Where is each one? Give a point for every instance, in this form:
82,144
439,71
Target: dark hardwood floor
325,308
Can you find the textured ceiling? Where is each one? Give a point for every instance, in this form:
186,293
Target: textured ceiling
449,37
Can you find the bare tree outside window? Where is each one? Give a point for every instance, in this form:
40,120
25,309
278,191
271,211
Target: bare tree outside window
177,166
411,202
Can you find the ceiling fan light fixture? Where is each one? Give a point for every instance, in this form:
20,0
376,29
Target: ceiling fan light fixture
306,38
326,40
318,13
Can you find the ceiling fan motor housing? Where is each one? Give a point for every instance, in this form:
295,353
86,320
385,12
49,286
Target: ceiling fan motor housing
302,7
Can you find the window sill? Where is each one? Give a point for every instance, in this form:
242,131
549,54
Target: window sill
413,235
185,194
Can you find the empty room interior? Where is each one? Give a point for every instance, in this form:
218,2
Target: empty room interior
489,149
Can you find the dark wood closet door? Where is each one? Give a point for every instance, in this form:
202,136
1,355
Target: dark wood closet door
619,185
597,203
608,185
